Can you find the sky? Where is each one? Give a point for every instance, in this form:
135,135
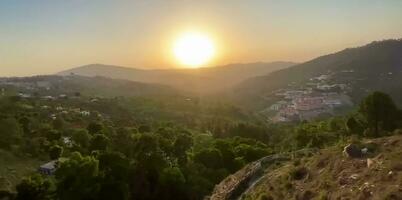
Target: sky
48,36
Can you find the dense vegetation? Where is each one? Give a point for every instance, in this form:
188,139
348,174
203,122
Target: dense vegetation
126,148
155,148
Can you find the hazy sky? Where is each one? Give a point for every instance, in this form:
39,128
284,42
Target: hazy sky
47,36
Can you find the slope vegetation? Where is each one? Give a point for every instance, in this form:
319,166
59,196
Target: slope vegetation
329,174
96,86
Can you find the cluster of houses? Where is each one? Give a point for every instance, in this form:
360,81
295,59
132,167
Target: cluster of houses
28,85
61,110
47,97
316,98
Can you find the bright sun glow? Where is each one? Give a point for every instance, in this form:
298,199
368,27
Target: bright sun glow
193,49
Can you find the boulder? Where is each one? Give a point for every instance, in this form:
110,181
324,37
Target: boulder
352,151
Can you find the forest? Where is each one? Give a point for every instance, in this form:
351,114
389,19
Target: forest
158,148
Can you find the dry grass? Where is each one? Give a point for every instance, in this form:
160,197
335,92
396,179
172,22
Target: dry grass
330,175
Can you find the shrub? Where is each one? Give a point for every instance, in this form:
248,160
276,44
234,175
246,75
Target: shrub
296,162
265,197
397,132
298,173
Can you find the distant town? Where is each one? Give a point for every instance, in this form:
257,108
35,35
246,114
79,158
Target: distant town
319,97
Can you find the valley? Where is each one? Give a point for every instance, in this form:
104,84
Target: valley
200,100
151,140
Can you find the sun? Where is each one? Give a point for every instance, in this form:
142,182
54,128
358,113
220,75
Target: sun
193,49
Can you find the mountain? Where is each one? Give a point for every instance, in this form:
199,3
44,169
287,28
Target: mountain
92,86
375,66
202,80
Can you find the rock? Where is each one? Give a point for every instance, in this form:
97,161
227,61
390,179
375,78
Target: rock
354,176
370,162
390,173
352,151
342,181
364,151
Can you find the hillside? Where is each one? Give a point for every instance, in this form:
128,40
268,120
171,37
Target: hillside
13,168
325,174
376,66
93,86
203,80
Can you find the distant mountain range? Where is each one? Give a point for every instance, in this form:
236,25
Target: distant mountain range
375,66
89,86
202,80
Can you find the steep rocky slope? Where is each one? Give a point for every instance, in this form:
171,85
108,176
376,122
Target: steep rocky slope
326,174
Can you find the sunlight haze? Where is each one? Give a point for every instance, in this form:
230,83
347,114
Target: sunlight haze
57,35
193,49
200,99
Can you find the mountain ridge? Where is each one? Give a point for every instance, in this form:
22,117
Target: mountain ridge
201,80
362,68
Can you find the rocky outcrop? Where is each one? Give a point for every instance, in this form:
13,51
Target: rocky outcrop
352,151
233,185
236,184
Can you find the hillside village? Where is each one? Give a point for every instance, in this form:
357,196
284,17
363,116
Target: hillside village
319,97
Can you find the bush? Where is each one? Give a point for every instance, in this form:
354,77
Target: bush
265,197
298,173
296,162
397,132
55,152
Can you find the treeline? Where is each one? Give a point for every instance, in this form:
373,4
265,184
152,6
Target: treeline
376,116
102,158
112,154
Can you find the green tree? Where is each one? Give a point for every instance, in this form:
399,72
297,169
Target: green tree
144,129
115,169
172,184
250,153
226,147
115,190
333,124
59,123
53,135
123,141
99,142
148,152
211,158
94,128
353,126
25,123
182,143
33,188
10,132
379,111
77,178
55,152
81,138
